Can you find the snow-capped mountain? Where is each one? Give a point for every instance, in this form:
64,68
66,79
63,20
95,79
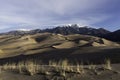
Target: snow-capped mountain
70,29
77,29
65,30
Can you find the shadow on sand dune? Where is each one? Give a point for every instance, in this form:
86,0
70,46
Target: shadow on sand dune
86,55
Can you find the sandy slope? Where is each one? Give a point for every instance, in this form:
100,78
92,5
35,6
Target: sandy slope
30,44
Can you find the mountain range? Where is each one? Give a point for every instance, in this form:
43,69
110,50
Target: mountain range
72,29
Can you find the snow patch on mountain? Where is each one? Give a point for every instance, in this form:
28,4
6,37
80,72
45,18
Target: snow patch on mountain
23,30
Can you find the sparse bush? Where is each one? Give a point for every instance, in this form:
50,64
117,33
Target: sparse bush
52,63
21,66
62,73
107,64
63,66
31,67
79,68
92,66
0,69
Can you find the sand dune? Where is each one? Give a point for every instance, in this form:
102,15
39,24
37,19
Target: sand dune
38,43
1,52
109,43
66,45
83,42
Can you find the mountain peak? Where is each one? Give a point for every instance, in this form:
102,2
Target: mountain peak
23,29
72,25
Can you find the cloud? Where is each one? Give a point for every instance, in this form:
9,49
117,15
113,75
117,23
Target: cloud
17,14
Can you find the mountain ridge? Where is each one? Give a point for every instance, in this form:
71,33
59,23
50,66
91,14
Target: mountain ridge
113,36
72,29
65,30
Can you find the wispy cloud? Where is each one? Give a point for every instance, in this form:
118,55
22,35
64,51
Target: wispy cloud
17,14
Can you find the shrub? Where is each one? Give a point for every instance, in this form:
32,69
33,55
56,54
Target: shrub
107,64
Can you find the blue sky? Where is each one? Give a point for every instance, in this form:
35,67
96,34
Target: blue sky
32,14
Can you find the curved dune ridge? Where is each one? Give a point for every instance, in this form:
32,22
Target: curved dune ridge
28,40
64,45
109,43
83,42
97,44
37,43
